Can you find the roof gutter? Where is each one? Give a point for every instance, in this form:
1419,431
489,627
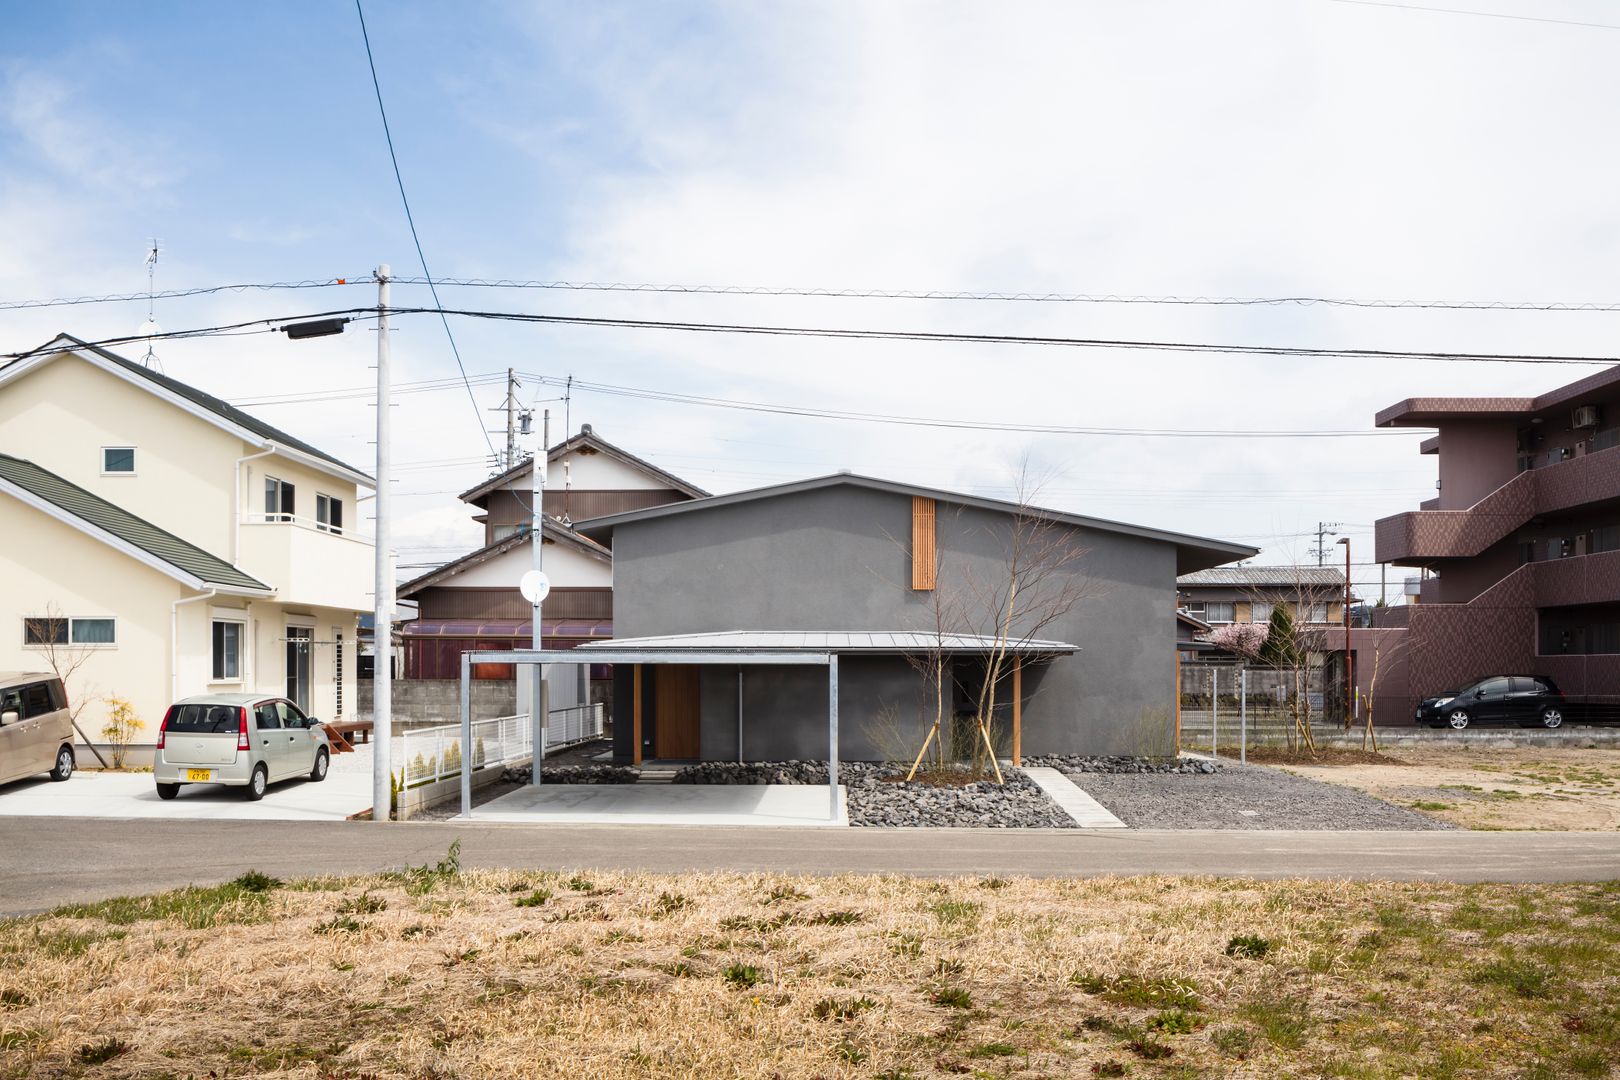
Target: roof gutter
174,640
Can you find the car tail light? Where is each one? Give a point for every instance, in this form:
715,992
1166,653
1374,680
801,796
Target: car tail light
163,728
241,731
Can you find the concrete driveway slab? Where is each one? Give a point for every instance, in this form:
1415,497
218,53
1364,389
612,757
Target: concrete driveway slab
759,805
134,795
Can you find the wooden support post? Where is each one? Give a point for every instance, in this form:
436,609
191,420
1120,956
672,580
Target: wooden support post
1178,702
635,718
1018,711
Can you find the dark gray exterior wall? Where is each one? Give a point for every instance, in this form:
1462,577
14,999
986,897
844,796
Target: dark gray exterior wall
838,559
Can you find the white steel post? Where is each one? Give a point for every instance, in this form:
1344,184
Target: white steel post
537,699
832,737
466,734
382,635
1243,716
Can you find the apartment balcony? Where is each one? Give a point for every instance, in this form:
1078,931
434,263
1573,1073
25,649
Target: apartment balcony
1458,534
307,563
1579,579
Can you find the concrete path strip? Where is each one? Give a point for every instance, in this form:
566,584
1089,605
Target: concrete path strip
134,795
1087,812
740,805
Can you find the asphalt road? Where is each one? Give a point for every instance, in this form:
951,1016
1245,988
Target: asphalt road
49,861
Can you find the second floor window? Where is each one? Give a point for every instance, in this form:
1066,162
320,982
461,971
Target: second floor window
279,504
1260,611
1217,611
328,513
1316,613
118,460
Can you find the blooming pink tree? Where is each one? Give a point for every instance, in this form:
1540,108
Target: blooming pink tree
1244,639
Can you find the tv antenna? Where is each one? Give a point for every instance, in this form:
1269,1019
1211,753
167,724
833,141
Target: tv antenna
150,329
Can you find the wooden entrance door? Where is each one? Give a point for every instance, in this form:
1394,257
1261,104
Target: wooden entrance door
678,712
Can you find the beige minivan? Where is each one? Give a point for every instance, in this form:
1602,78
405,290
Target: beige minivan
36,732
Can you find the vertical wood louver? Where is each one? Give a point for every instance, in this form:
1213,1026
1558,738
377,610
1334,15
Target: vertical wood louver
924,556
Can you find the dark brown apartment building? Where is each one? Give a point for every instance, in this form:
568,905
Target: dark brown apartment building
1519,550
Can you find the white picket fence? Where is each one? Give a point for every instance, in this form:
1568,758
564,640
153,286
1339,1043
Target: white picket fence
427,755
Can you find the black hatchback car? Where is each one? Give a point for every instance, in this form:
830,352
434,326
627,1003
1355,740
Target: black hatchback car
1500,699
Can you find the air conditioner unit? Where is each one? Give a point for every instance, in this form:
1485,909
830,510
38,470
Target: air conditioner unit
1585,416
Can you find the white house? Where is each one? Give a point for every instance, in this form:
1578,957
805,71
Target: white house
173,542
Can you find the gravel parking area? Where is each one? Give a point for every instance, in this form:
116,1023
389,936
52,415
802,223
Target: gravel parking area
1243,797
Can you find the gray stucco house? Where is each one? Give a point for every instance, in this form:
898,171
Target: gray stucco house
859,567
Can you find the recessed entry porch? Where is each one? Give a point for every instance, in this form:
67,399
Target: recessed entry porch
747,696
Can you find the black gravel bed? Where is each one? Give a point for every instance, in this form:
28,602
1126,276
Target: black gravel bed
1243,797
1075,763
574,774
876,800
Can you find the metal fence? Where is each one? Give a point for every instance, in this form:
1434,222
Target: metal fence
428,755
1225,709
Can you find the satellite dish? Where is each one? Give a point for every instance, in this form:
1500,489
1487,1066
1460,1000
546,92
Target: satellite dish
535,586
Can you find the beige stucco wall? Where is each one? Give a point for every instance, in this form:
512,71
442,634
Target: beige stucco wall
45,565
187,480
61,415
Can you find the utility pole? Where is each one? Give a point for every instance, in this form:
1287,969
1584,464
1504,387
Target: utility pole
382,639
1324,529
537,699
511,432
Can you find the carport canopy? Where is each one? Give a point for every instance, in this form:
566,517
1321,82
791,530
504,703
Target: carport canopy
744,648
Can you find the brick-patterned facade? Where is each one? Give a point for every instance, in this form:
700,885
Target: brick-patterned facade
1522,548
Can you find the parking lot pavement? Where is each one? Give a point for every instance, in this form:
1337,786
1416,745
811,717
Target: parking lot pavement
134,795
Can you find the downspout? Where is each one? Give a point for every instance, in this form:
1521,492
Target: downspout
174,640
236,509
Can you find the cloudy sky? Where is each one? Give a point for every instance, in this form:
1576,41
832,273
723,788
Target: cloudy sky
1245,148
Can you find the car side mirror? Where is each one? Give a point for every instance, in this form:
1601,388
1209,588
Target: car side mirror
10,716
310,721
1479,693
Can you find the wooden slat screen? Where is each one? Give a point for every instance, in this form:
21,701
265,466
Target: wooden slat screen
924,556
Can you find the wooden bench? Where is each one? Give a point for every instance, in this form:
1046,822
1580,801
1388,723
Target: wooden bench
344,736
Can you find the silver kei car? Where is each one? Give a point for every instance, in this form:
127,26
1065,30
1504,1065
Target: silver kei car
241,740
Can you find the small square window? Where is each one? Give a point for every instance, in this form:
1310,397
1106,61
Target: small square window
117,460
328,513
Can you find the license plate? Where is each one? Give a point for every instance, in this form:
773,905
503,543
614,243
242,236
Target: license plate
199,774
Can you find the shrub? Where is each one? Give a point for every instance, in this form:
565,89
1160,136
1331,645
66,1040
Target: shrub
120,729
1248,946
741,976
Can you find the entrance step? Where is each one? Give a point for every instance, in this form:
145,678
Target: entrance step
657,774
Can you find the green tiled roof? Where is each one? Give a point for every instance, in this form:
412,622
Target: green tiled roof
94,510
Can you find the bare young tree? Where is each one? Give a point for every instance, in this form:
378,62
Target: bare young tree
1386,649
65,659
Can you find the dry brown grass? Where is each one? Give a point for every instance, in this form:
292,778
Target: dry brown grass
1521,787
512,974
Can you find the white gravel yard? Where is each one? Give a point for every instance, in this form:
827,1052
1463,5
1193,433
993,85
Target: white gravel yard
1242,797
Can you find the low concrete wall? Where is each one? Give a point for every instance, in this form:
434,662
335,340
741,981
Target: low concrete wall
439,700
415,800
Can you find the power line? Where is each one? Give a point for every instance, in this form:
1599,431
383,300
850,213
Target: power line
1003,296
411,221
1479,14
937,422
1022,296
871,335
167,294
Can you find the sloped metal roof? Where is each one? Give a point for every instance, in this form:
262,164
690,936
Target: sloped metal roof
98,515
1313,577
1191,551
831,641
